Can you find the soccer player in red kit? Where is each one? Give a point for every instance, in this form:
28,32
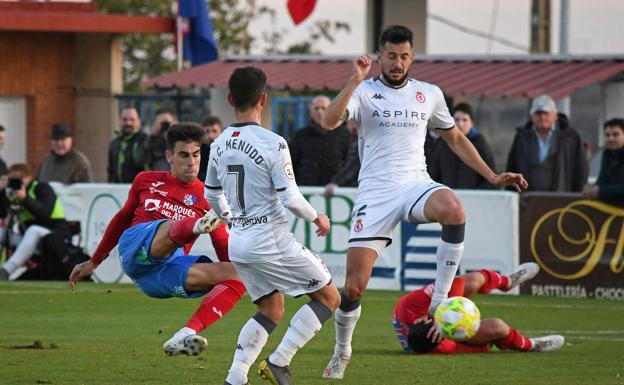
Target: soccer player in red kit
164,214
417,333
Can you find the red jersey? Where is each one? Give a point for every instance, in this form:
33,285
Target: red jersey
158,195
415,305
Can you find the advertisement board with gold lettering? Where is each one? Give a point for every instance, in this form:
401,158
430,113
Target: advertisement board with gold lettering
578,244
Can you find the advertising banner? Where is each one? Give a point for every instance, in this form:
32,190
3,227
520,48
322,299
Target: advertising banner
578,244
408,263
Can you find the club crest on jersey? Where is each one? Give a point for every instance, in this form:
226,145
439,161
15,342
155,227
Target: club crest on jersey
420,97
358,226
190,199
288,171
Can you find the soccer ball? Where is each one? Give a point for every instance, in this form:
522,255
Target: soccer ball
457,318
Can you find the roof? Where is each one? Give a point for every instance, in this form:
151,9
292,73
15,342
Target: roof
506,76
75,17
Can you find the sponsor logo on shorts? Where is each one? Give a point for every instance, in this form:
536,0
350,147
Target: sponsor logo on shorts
420,97
190,199
313,283
244,222
358,226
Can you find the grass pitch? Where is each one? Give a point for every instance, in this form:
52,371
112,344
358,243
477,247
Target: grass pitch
112,334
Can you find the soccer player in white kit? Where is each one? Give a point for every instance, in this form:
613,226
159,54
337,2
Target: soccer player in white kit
252,166
392,113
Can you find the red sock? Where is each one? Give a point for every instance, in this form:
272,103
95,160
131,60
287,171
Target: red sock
181,231
514,341
493,280
219,238
220,300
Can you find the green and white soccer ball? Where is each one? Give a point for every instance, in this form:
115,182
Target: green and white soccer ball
457,318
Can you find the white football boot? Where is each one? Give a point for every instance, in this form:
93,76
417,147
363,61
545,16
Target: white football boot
522,274
547,344
190,345
337,366
207,223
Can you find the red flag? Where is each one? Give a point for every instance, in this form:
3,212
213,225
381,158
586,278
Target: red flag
300,9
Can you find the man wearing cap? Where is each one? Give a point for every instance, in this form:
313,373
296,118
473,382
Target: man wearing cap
547,151
64,164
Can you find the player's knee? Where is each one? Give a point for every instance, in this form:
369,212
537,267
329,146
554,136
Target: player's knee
498,328
332,300
453,213
353,291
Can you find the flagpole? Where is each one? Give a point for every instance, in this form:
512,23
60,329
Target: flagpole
180,41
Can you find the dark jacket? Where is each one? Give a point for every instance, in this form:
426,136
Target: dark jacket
566,161
124,158
73,167
445,166
41,208
611,178
152,154
347,176
204,151
318,154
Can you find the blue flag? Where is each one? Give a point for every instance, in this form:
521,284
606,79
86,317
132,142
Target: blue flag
199,45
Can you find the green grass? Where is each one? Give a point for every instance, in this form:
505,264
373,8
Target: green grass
112,334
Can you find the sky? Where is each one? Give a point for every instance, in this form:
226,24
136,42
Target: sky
595,26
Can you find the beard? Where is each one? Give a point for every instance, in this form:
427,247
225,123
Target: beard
387,78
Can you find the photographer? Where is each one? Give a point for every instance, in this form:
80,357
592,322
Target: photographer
35,206
152,152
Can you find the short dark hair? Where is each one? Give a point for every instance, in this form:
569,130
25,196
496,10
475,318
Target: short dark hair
614,122
246,87
2,129
396,34
184,132
210,120
22,168
417,338
465,108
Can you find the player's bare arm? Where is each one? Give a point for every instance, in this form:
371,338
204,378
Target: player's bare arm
322,225
466,151
336,111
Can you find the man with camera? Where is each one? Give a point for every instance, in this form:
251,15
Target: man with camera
36,208
152,152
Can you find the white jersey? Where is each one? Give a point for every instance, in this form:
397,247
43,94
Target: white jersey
251,164
392,124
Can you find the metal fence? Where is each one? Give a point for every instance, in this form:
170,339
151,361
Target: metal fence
290,113
187,108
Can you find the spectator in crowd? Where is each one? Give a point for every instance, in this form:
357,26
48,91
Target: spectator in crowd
445,166
213,128
610,183
124,151
548,151
318,154
152,152
3,166
64,163
35,206
347,176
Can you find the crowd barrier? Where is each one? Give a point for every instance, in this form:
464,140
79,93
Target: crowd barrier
409,262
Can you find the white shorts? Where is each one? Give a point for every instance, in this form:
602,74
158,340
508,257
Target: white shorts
301,274
376,214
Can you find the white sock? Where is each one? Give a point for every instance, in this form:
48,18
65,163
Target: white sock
303,326
251,340
345,325
185,331
447,262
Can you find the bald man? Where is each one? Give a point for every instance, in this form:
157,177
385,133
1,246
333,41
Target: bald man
318,154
